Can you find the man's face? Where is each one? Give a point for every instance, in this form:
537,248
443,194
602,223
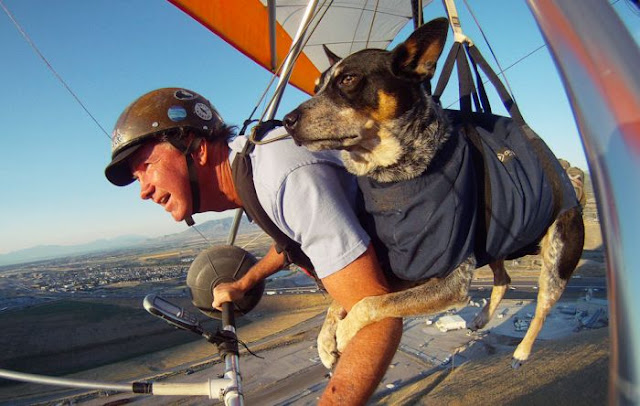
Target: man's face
162,172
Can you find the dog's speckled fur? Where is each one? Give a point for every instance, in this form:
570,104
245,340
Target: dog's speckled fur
372,107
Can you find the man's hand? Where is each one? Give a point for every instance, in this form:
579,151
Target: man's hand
227,292
271,263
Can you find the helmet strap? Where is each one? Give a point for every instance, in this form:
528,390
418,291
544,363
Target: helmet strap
193,176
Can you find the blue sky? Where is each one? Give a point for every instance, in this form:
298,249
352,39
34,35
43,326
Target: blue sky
111,51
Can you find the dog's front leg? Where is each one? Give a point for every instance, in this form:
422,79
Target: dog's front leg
327,348
434,296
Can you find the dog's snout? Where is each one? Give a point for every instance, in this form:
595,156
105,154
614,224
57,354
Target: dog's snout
291,120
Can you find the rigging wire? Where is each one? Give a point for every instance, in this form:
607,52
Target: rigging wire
254,239
51,68
373,20
308,36
64,83
355,32
486,40
279,68
201,235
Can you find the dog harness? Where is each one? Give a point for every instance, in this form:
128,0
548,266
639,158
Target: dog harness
491,192
491,205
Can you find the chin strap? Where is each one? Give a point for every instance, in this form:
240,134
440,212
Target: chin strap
193,176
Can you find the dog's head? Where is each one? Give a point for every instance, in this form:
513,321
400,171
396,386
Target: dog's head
361,101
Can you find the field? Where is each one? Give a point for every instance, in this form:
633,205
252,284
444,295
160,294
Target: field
120,341
109,337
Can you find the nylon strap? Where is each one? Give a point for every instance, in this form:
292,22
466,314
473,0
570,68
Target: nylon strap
242,172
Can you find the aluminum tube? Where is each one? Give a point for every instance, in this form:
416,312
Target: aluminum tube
598,62
70,383
287,67
282,82
271,6
233,231
233,395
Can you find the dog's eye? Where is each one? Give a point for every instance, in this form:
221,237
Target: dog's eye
348,80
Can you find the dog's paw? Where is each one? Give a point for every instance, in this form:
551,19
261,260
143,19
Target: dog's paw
520,356
360,315
516,363
328,349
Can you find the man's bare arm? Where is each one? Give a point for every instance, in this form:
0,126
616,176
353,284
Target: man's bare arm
268,265
364,362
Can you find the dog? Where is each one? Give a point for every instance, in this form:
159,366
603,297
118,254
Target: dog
373,107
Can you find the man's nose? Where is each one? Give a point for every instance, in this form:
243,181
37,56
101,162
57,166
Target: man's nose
146,189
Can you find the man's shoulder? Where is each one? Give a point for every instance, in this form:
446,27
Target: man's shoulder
282,156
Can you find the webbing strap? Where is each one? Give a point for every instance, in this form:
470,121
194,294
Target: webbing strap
457,57
242,172
482,93
454,20
466,89
445,74
506,98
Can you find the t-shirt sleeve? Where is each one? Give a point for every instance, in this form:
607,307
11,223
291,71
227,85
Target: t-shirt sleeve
316,207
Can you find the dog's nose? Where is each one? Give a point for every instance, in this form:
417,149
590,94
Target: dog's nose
290,120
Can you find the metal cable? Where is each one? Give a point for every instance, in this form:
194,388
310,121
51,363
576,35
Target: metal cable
495,58
373,20
55,73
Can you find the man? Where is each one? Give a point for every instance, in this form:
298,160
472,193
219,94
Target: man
175,144
576,176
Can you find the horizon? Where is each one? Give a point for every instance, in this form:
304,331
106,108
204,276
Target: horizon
111,52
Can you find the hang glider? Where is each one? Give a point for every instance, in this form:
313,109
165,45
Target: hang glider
264,30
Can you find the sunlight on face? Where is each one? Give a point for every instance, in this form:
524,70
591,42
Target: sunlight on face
162,173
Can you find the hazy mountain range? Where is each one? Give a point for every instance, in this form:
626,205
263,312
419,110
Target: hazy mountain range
211,229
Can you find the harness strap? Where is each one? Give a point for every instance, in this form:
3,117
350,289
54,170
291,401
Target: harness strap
482,93
467,89
242,172
506,98
483,181
534,140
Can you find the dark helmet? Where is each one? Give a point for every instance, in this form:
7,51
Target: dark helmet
160,112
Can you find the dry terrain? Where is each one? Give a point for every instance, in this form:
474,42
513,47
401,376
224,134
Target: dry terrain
110,339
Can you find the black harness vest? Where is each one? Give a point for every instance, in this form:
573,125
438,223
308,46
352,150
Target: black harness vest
488,195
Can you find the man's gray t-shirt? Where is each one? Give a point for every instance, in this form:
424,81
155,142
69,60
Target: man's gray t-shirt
311,198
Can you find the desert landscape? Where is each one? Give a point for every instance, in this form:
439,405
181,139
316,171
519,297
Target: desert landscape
112,339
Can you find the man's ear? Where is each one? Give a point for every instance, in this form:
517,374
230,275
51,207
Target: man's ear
200,156
333,58
416,57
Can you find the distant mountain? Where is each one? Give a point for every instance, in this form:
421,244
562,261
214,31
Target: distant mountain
41,252
211,229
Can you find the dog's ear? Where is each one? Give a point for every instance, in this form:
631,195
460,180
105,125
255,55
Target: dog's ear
333,58
416,57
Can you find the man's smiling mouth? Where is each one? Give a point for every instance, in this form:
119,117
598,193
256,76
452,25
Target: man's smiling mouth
163,200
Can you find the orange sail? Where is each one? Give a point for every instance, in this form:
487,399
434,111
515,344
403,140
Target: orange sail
345,27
